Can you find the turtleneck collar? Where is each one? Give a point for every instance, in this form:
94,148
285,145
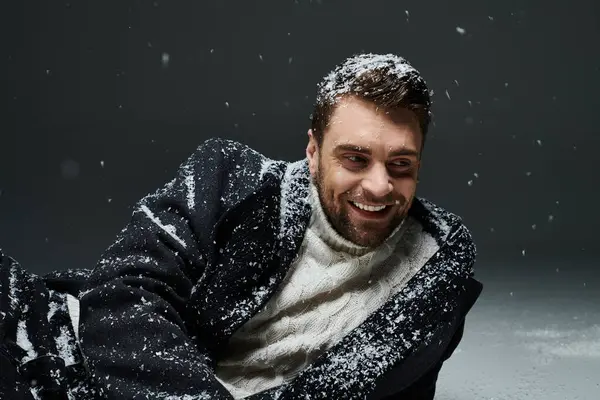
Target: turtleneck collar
320,224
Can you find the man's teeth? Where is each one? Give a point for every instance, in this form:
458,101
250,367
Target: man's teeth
368,208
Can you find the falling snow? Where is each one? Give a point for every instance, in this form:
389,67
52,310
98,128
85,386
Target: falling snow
165,59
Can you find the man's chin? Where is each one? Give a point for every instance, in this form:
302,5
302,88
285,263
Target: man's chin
366,239
371,236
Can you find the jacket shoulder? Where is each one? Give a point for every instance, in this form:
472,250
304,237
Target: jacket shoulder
241,158
448,229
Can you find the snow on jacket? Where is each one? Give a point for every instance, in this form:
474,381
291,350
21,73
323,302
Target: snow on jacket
205,252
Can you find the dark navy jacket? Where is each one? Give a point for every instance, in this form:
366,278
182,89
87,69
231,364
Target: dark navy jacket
205,252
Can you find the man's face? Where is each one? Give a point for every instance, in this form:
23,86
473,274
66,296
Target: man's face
368,157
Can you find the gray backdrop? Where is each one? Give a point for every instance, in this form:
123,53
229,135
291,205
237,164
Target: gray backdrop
103,99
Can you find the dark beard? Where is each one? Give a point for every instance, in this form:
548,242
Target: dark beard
340,219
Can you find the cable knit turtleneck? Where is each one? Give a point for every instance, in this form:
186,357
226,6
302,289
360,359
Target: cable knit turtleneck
330,289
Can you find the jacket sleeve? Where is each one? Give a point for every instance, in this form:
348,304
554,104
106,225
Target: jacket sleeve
424,388
133,328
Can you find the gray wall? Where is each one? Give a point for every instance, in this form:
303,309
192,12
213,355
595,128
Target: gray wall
87,82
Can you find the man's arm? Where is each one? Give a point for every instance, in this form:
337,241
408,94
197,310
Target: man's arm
134,331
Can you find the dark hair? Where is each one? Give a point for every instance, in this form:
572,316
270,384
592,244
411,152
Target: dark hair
386,80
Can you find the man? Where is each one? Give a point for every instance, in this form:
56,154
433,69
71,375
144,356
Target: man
246,277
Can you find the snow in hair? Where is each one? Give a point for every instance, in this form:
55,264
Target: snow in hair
342,80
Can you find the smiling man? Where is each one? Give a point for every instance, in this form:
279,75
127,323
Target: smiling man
245,277
365,168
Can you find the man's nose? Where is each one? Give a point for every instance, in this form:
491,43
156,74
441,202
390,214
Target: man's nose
377,182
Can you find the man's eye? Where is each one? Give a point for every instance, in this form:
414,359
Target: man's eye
356,159
401,163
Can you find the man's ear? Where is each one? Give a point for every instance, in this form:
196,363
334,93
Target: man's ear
312,153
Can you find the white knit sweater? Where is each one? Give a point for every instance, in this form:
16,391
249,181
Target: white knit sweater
330,289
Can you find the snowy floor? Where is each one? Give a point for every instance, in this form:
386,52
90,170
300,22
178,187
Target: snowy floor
536,338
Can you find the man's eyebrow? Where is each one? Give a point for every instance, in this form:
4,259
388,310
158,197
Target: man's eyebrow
366,150
404,152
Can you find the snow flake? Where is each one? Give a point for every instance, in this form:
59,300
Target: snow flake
266,165
190,184
460,30
65,345
165,58
24,342
170,229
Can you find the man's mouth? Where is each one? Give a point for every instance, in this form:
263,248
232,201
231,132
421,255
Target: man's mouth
370,210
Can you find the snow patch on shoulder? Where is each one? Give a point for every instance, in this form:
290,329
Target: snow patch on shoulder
170,229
